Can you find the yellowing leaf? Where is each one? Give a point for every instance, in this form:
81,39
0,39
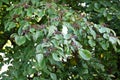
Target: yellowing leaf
101,55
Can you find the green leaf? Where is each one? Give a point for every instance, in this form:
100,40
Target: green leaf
76,43
85,54
28,36
20,40
58,37
118,41
53,76
39,48
92,32
99,66
91,42
84,65
55,56
104,45
51,30
96,5
40,14
85,71
113,40
101,20
105,13
30,12
51,11
34,1
36,35
19,10
9,25
109,17
37,78
106,36
39,58
104,29
32,30
20,31
41,61
67,36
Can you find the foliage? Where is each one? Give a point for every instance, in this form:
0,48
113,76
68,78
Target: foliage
104,12
42,50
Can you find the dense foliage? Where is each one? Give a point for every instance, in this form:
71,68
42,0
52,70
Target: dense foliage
60,39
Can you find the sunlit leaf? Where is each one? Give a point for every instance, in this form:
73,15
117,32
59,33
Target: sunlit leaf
51,30
85,54
56,56
20,40
39,58
113,40
53,76
39,48
92,43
